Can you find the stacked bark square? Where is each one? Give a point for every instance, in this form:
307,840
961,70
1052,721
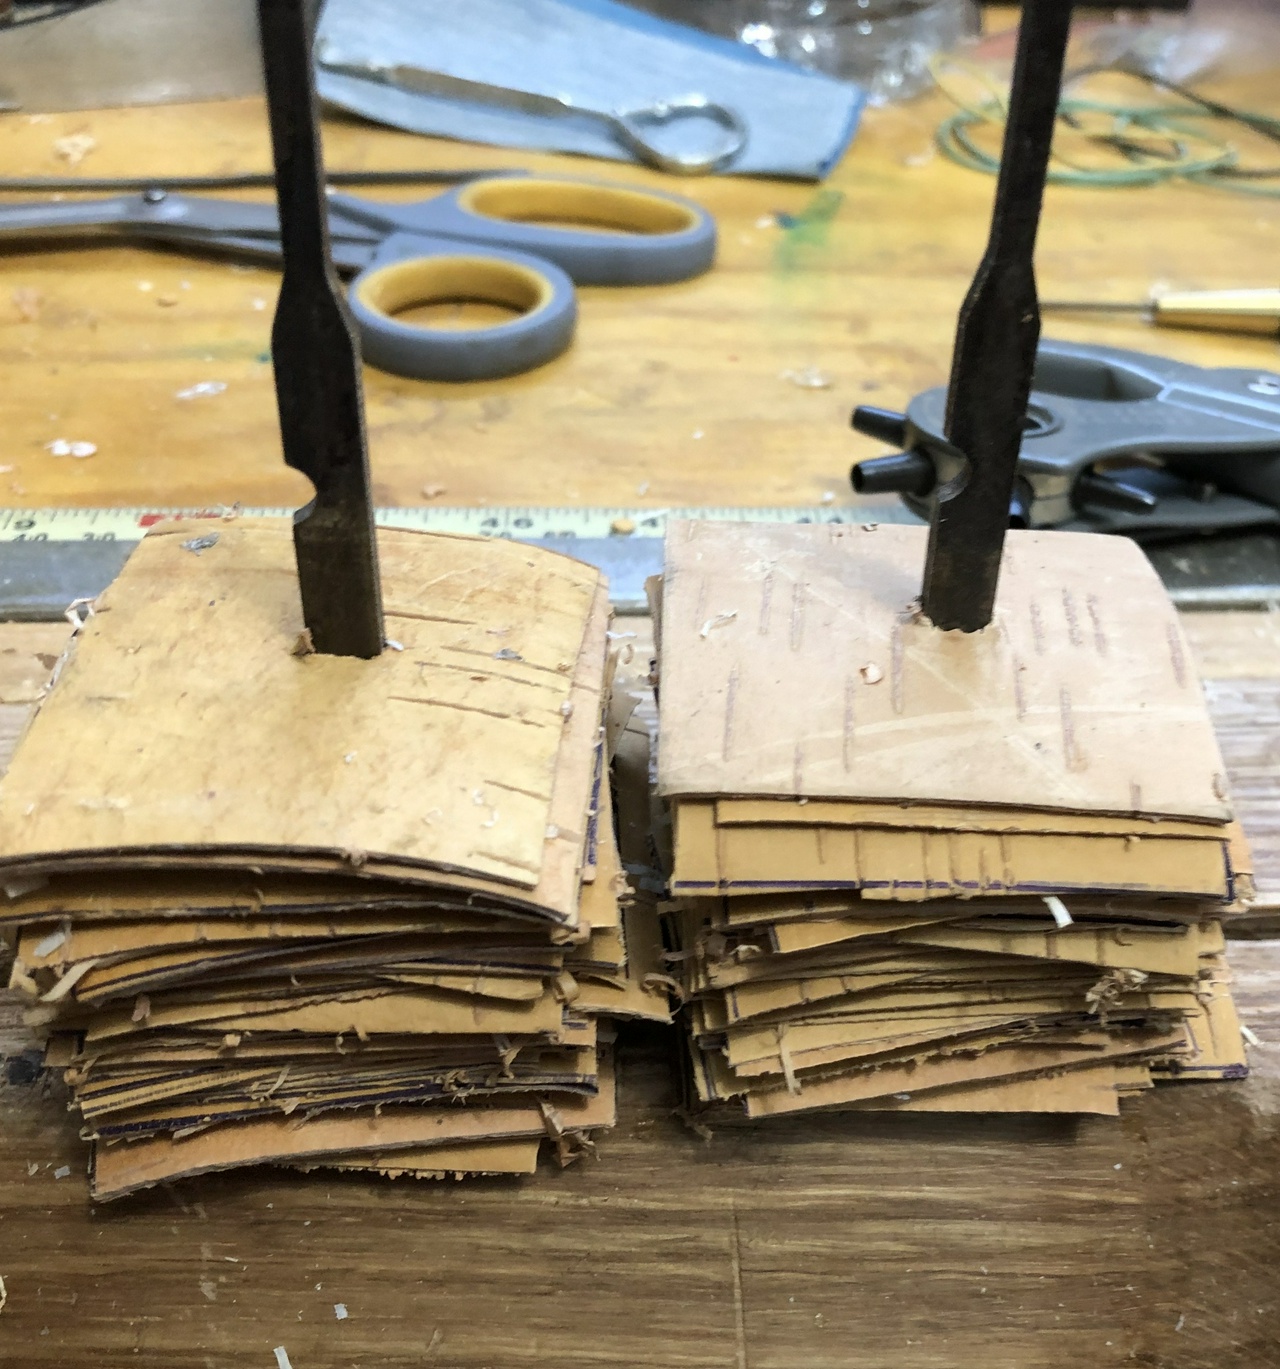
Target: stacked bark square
934,871
280,907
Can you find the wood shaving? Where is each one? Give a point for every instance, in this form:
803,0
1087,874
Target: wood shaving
1059,910
73,616
15,888
74,147
871,673
202,388
47,945
719,620
807,378
433,491
27,301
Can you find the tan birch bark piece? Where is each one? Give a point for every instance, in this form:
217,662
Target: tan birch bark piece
794,664
185,719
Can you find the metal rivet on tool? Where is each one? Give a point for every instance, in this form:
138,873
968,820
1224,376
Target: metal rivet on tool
155,195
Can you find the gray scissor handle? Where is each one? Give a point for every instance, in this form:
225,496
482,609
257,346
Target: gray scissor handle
598,233
487,240
403,275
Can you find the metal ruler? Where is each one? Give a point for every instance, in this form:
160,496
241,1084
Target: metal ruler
51,557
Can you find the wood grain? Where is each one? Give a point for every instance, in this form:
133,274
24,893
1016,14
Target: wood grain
948,1242
1006,1243
671,394
934,1243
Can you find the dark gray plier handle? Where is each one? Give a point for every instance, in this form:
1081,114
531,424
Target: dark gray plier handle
317,360
996,339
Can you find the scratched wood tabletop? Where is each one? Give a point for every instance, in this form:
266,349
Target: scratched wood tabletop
673,394
945,1243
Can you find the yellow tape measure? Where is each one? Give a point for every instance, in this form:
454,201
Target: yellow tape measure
51,557
526,524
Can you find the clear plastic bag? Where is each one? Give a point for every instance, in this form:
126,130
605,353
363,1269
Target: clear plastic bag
883,45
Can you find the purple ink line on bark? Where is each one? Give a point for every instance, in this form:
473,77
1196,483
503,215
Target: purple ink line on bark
846,736
1176,656
797,615
1073,620
1037,628
730,700
896,653
1069,747
1095,617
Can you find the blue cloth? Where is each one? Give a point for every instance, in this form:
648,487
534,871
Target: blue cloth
599,54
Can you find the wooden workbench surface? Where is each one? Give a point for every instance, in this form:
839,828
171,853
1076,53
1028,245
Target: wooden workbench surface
829,1242
945,1243
672,394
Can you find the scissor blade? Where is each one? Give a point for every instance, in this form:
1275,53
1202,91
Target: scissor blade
348,256
996,339
153,210
316,361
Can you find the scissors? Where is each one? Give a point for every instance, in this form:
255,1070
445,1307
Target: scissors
510,239
629,127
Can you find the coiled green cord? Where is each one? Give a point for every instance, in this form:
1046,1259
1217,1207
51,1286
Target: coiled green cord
1155,143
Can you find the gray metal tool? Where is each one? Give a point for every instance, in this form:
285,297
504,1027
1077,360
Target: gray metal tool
317,361
629,127
995,349
1113,441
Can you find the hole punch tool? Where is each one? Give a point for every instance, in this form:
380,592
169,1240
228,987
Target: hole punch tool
1113,441
514,240
317,361
1054,434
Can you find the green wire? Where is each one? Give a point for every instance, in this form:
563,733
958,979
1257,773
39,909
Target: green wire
1218,167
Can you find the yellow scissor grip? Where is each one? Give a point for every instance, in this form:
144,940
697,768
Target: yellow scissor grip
532,199
430,280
